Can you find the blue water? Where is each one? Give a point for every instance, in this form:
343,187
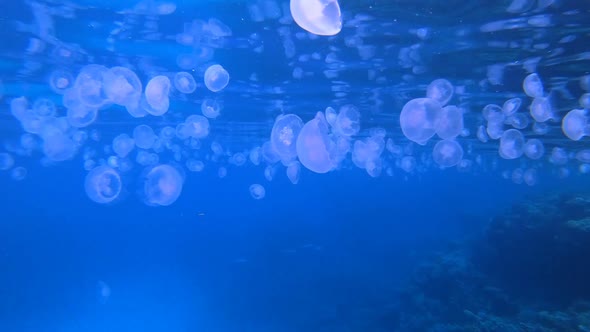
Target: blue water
371,245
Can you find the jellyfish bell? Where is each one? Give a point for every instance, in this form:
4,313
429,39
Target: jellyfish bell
162,185
319,17
103,184
284,136
315,148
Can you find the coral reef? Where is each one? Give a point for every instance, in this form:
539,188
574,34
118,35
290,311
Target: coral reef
527,272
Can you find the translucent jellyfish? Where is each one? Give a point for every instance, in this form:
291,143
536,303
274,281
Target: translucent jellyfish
511,106
162,185
257,191
284,135
348,121
320,17
530,176
6,161
511,144
269,173
43,107
255,156
197,126
532,86
450,123
331,116
103,184
534,149
419,118
18,173
558,156
58,147
144,136
575,124
60,81
315,147
408,164
210,108
195,165
222,172
440,90
294,172
216,78
447,153
519,120
89,85
366,152
185,82
156,95
123,145
520,6
541,109
122,86
82,116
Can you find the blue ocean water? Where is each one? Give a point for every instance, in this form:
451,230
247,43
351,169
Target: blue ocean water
303,165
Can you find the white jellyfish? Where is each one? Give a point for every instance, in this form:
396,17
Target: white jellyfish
122,86
320,17
185,82
419,119
541,109
197,126
144,136
123,145
347,122
447,153
216,78
450,122
210,108
511,144
284,135
162,185
534,149
6,161
58,147
257,191
440,90
89,85
156,95
315,148
294,172
532,86
103,184
511,106
575,124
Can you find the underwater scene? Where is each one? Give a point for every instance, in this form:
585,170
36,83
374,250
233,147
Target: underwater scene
294,165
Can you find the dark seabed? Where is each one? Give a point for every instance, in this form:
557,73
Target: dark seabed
289,166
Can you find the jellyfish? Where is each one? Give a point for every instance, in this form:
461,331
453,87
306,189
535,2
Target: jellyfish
89,86
294,172
319,17
210,108
284,135
122,86
185,82
197,126
440,90
103,184
315,148
450,122
331,116
534,149
156,95
419,119
58,147
162,185
60,81
532,86
511,144
257,191
216,78
447,153
6,161
44,107
347,122
18,173
144,136
511,106
585,101
541,109
123,145
575,124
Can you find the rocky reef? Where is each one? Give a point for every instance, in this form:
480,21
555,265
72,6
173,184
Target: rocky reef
528,271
